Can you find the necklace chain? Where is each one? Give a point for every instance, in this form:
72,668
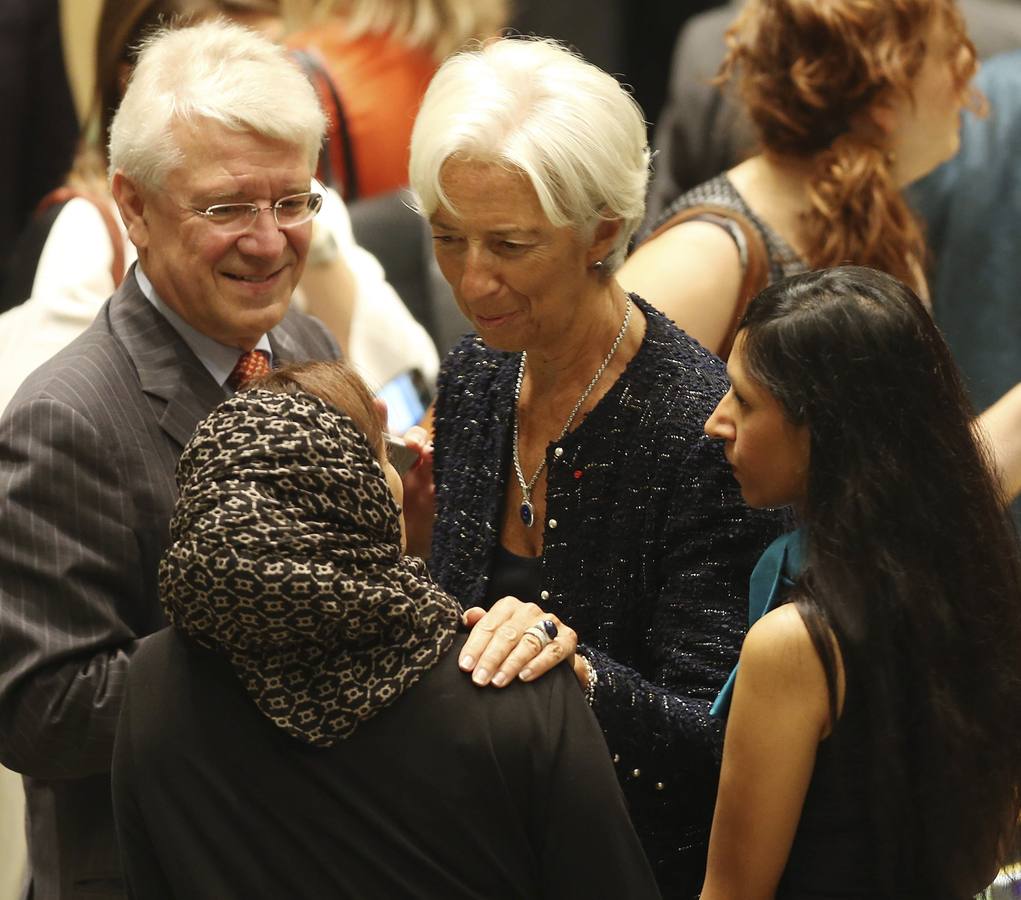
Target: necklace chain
527,510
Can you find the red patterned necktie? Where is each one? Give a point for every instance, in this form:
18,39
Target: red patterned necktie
249,365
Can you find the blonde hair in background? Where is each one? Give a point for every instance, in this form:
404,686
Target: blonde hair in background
440,26
79,21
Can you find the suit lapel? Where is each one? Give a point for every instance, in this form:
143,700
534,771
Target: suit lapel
284,348
167,369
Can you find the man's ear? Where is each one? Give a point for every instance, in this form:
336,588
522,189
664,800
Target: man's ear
603,241
131,202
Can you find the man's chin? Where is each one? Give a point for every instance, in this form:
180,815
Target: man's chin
245,330
270,305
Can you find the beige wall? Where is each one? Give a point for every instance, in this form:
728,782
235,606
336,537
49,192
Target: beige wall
12,835
78,20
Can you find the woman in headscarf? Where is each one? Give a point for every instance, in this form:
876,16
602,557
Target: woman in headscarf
303,729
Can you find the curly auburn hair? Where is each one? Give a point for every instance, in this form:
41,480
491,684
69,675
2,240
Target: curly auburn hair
807,73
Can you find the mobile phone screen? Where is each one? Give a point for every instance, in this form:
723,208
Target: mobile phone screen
405,401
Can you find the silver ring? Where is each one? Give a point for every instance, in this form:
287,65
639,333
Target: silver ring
539,633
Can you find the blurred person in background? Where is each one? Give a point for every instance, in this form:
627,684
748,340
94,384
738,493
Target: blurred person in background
704,128
852,101
40,124
972,207
378,56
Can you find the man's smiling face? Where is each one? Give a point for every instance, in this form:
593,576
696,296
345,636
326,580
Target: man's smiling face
231,287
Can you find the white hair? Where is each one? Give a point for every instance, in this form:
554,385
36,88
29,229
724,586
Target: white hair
213,71
533,105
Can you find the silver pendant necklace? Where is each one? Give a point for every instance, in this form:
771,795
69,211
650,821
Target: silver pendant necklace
527,509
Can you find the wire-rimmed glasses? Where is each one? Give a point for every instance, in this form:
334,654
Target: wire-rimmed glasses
289,212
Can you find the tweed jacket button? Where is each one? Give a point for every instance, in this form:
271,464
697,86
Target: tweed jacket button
552,523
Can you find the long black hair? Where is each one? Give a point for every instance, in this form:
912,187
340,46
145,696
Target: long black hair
912,564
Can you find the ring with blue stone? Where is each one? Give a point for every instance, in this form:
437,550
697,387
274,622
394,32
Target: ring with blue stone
550,627
539,633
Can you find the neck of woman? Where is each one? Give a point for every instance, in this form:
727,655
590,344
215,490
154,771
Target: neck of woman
789,175
572,360
777,190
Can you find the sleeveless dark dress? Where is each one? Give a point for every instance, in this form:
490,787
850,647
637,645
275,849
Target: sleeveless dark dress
835,845
832,854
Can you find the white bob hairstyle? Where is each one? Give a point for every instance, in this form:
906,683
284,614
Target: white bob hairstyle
211,72
533,105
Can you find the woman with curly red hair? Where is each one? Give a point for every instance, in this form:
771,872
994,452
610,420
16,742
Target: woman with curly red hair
852,101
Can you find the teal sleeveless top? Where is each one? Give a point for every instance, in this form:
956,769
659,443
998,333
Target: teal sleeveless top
776,572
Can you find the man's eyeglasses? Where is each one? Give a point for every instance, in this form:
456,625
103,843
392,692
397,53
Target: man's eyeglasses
289,212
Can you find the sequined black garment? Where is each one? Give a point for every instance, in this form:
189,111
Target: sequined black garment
720,191
647,552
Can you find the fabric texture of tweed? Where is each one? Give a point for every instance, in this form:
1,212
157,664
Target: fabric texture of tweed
648,560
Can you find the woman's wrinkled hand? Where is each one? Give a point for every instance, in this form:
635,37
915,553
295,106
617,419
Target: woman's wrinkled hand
500,648
419,494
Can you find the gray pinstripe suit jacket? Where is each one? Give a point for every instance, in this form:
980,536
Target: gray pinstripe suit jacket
88,448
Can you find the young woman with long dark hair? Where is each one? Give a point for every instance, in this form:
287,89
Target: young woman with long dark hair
873,744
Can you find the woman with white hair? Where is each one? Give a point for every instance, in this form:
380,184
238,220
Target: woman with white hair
573,482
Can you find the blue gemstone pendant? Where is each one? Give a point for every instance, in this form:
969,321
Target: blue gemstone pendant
527,513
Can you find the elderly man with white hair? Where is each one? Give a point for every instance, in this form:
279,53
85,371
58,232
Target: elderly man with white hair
212,153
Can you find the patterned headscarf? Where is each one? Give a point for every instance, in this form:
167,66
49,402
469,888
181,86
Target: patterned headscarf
285,556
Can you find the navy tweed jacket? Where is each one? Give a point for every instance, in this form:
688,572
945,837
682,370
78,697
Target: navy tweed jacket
649,561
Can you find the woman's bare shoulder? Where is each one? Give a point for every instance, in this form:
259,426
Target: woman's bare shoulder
692,272
686,242
780,641
780,658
